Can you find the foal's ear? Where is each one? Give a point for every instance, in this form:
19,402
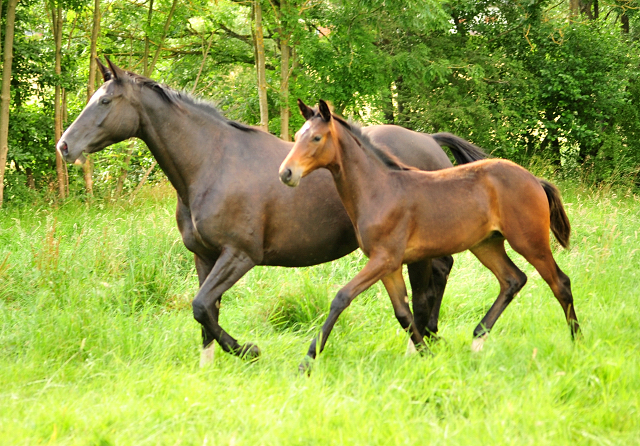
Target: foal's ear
116,71
306,111
106,74
325,112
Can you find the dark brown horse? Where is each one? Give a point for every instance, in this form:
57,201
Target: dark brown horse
232,211
403,216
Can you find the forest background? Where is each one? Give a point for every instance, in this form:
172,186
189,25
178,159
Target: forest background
551,84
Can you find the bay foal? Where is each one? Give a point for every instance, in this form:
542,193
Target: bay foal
402,215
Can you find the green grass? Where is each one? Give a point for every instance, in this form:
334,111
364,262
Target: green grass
98,345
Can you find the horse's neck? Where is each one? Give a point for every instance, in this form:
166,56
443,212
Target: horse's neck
357,177
179,144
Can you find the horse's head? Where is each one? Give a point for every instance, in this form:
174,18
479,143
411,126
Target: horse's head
314,145
109,117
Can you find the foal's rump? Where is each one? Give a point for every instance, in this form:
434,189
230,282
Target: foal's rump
528,205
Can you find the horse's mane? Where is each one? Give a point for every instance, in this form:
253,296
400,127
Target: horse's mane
387,158
174,97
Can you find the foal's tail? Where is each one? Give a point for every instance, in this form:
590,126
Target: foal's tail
463,151
560,225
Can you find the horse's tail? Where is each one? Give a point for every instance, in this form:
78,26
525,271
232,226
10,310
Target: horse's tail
560,225
463,151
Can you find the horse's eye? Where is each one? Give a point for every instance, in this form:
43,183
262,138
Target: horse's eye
317,138
105,101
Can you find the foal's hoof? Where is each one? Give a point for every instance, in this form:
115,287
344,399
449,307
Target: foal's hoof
305,366
249,352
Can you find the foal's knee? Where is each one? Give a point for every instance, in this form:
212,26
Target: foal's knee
514,284
340,302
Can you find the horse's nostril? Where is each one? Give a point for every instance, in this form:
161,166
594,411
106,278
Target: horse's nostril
64,149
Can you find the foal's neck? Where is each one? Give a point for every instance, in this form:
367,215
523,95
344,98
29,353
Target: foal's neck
358,174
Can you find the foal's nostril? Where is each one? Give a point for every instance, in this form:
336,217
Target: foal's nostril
285,176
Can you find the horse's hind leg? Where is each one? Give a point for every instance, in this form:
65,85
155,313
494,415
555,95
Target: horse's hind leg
394,283
228,269
541,258
428,281
492,255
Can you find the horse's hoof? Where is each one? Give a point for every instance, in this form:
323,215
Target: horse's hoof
478,343
305,366
411,348
249,352
207,354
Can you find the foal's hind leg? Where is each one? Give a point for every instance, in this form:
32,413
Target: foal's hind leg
540,256
492,255
394,283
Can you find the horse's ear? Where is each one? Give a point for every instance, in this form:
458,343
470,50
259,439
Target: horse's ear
325,112
116,71
306,111
106,74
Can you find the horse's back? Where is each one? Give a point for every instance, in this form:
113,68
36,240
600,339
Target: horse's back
415,149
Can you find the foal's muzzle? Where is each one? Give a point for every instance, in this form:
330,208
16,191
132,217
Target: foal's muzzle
290,177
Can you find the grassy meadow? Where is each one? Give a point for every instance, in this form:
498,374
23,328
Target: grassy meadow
98,344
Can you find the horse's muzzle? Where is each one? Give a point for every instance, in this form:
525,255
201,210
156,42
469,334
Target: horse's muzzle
63,148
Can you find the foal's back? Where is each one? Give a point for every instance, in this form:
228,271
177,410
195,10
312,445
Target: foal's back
454,209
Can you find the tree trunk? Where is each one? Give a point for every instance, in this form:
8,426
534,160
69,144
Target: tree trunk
123,173
624,19
31,182
145,56
0,30
56,18
574,8
6,91
167,23
260,66
285,51
87,167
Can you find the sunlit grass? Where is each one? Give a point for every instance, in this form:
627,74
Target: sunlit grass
98,345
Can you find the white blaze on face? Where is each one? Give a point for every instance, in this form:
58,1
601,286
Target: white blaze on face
304,129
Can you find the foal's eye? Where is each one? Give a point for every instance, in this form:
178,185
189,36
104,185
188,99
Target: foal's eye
105,101
317,138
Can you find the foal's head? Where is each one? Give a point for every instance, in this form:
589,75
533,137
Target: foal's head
315,145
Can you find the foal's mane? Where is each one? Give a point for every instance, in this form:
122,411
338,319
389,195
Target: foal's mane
174,97
387,158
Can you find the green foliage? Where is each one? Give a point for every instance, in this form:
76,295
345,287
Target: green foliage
524,80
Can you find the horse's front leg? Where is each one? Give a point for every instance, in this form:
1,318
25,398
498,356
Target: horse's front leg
375,269
203,268
228,269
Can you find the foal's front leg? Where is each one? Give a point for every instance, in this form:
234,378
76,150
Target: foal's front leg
394,283
375,269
